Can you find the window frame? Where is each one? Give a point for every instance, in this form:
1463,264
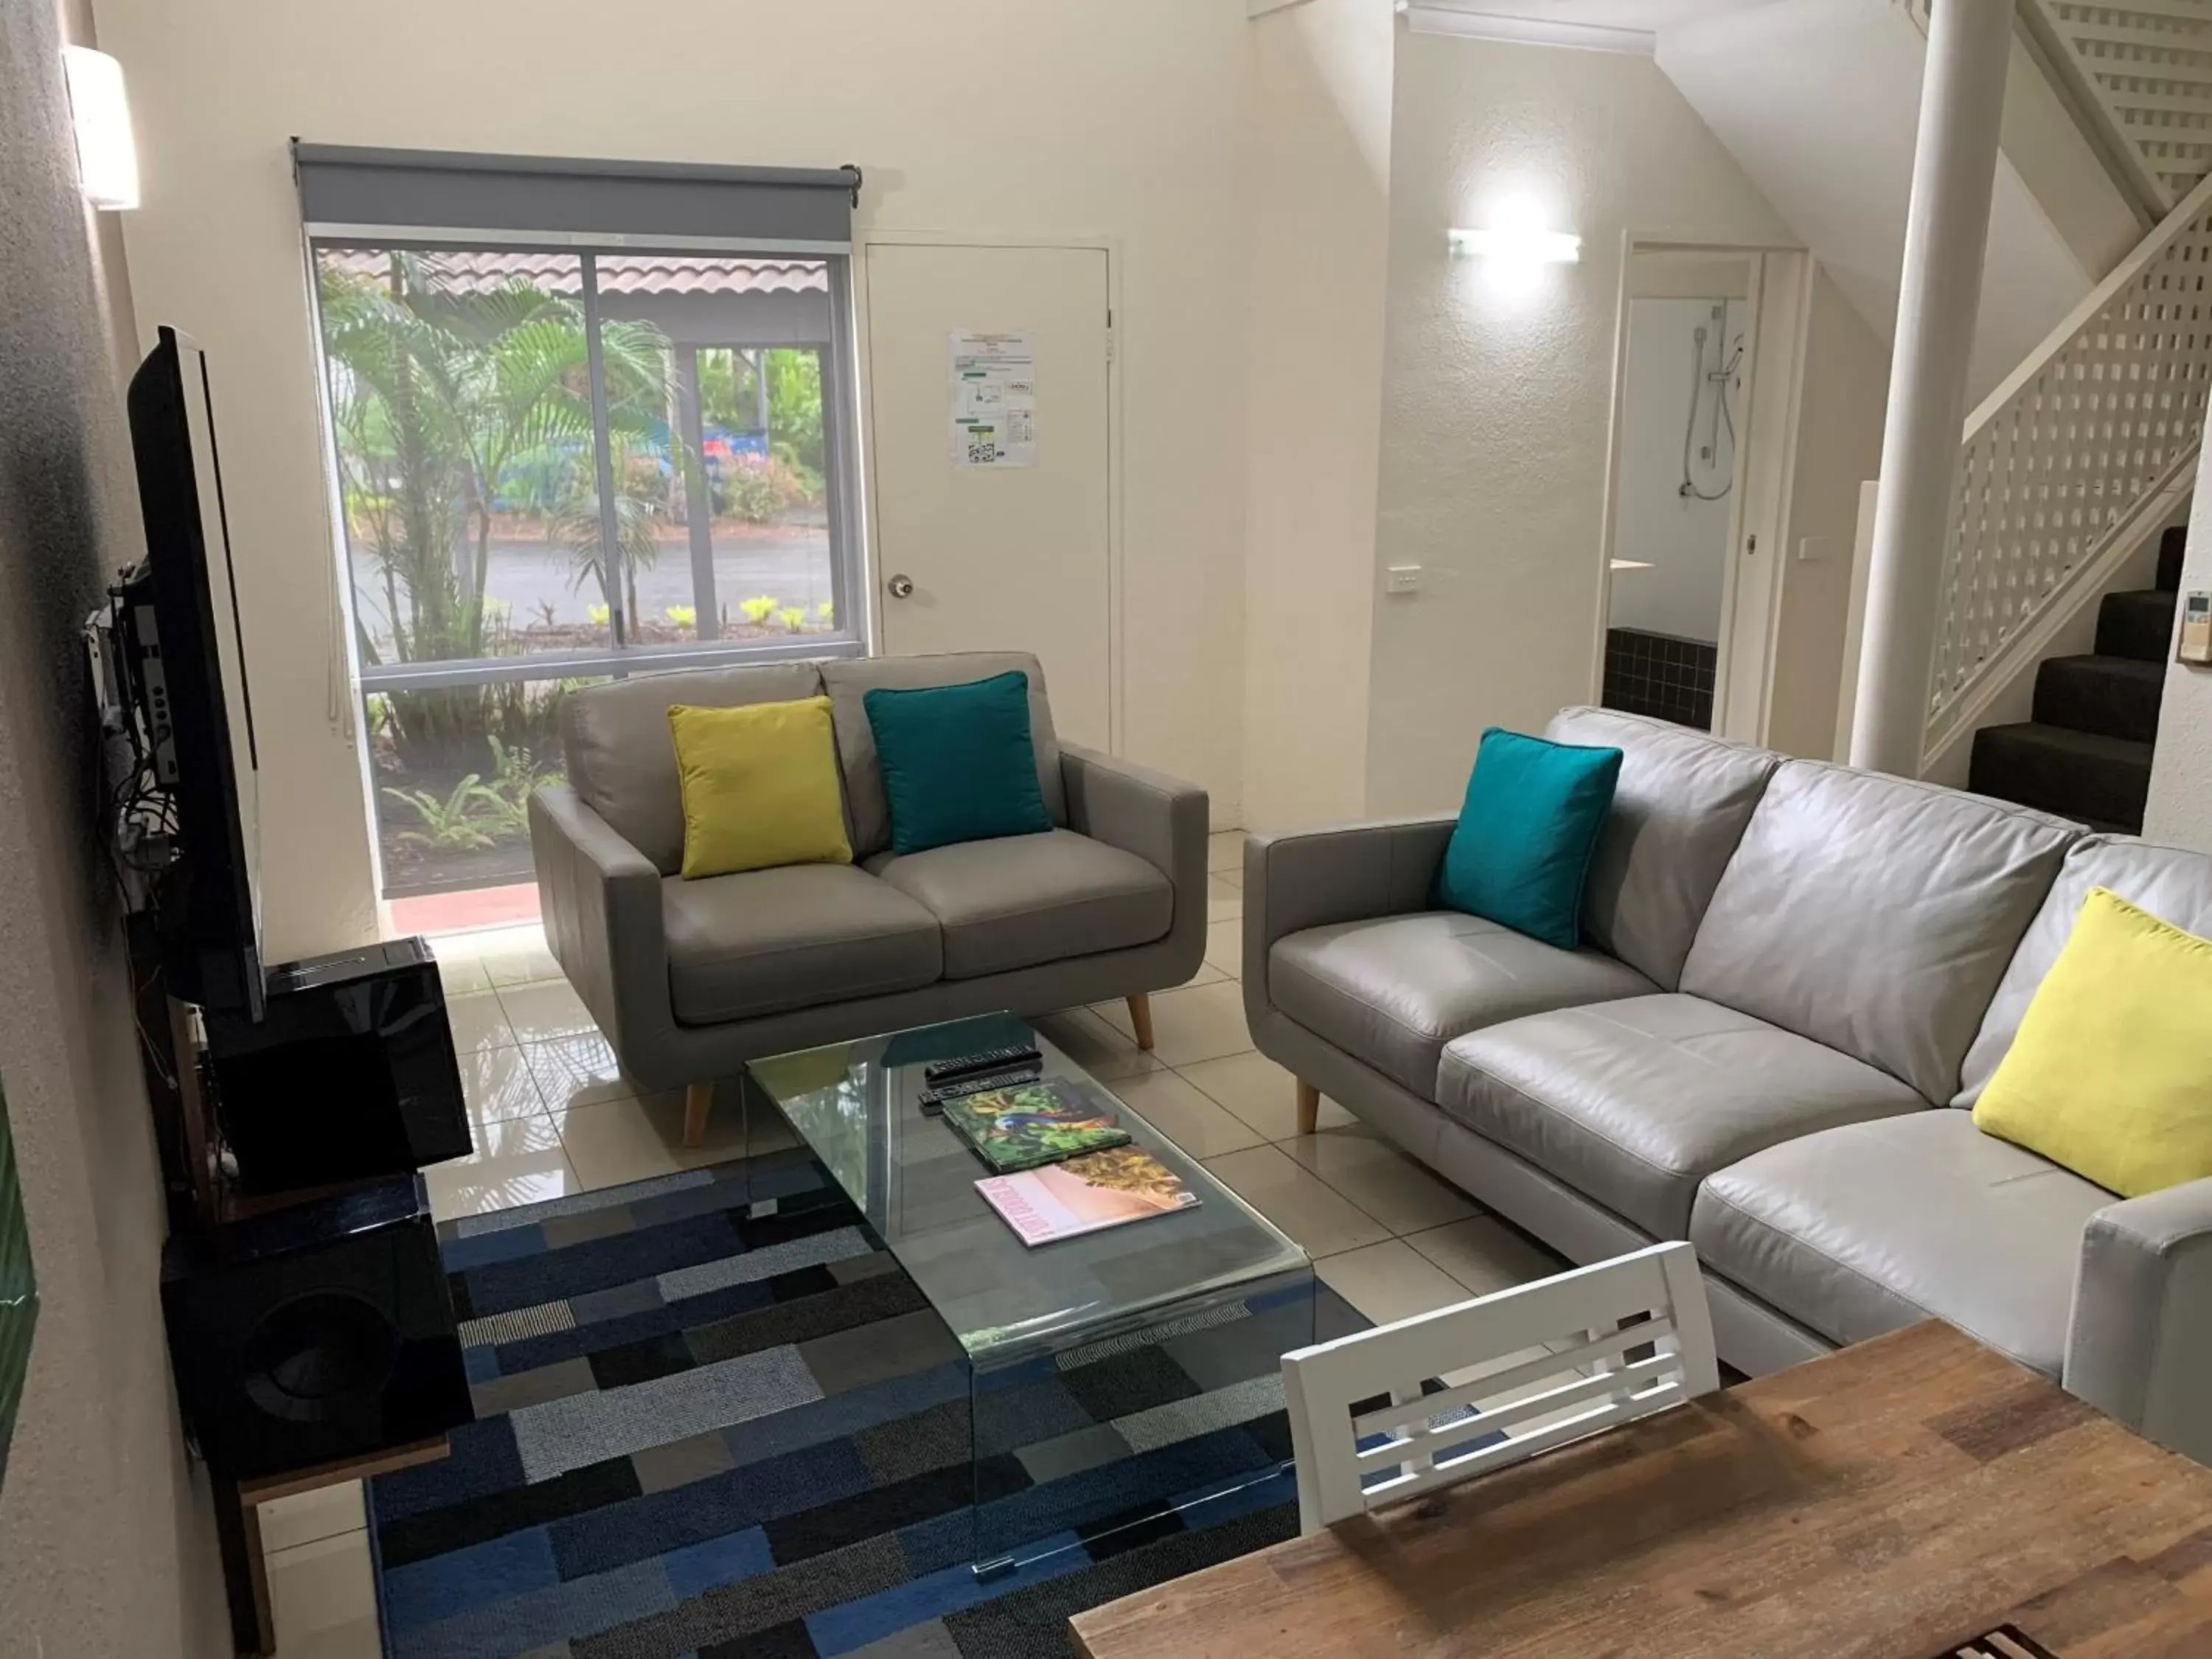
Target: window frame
843,481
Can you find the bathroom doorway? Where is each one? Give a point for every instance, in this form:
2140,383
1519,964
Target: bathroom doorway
1694,488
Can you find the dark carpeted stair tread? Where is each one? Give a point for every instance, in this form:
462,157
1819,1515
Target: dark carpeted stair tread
2138,624
2077,774
2172,549
2086,753
2114,696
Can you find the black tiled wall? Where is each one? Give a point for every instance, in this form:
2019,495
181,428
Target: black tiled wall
1657,674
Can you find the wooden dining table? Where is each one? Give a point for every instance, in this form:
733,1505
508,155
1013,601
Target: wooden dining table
1913,1497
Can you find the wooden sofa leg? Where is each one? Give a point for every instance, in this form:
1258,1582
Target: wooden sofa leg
1140,1019
1309,1106
697,1099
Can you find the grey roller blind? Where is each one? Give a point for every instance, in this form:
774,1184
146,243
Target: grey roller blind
398,194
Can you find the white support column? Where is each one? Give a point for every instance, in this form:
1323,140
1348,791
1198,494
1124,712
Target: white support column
1947,233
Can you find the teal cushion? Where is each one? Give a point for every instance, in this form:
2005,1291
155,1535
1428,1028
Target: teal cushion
1527,833
957,762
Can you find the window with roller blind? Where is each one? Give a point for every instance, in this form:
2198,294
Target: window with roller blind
585,419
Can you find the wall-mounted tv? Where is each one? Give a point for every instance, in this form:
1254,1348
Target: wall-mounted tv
190,651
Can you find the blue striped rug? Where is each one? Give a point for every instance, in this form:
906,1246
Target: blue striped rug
716,1418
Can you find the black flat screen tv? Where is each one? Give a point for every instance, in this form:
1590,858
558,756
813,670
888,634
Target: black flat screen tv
193,674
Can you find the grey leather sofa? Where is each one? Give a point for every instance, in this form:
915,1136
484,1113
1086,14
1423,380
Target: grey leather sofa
688,980
1795,976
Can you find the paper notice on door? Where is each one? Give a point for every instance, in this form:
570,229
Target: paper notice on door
994,398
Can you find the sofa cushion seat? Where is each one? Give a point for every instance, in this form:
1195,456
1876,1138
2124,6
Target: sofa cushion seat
1633,1103
1865,1229
1019,901
1393,991
763,941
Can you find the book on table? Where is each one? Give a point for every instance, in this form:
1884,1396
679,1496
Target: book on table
1027,1124
1085,1194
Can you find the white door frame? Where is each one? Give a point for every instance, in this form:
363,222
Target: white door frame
1780,309
1116,634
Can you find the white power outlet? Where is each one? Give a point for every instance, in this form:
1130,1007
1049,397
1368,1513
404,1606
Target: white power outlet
1401,579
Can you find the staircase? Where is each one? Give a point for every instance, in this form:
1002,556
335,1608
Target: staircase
2093,351
2069,473
2086,752
2087,452
1819,101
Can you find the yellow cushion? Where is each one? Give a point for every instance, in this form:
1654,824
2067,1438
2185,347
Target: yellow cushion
2112,1073
760,787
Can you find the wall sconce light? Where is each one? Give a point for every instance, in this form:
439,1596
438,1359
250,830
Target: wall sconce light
1519,244
106,157
1515,248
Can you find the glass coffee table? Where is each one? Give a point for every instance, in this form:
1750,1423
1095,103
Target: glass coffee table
1113,1377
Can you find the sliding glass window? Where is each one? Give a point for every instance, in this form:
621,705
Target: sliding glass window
563,462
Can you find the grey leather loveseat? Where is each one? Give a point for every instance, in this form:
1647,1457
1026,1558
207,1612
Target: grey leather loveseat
1795,977
690,979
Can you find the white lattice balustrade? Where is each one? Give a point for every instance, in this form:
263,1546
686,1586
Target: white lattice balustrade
2148,66
2064,459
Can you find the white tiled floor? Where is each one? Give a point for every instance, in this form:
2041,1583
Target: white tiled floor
312,1517
1225,943
1182,1111
1321,1219
1382,1181
1485,1254
323,1597
498,1083
553,1113
1195,1023
1389,1280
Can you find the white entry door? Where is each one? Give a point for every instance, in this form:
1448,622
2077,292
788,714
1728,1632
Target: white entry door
976,549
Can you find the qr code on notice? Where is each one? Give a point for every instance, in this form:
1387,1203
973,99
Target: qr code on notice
982,452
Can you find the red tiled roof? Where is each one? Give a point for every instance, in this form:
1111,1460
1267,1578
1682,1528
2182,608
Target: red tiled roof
623,273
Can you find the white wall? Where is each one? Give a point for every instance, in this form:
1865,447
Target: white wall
2181,806
1819,99
1682,538
1317,135
1113,117
2043,141
1495,407
1839,447
106,1532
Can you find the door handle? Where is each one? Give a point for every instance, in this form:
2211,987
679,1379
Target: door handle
900,586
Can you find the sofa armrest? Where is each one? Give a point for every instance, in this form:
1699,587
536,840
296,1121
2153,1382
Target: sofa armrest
600,898
1162,820
1311,878
2139,1344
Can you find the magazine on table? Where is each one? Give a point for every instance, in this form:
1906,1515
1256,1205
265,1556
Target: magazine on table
1085,1194
1032,1123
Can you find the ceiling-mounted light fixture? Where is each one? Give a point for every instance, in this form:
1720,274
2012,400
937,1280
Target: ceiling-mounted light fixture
106,157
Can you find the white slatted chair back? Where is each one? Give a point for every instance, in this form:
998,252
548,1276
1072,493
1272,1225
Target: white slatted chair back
1365,1434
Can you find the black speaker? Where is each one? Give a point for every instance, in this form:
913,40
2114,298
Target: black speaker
313,1334
349,1073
